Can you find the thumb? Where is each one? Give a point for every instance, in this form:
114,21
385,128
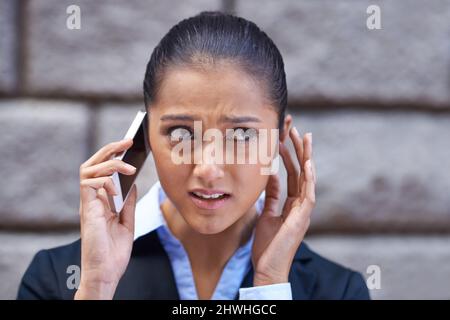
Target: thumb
127,213
272,196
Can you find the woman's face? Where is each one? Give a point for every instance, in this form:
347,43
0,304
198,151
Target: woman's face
221,98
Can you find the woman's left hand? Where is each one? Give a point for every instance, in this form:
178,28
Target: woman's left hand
278,236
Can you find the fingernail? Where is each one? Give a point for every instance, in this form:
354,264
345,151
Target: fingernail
310,136
294,129
310,168
129,166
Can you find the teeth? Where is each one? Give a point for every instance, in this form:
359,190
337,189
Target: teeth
211,196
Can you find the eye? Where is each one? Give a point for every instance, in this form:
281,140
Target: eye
179,133
242,134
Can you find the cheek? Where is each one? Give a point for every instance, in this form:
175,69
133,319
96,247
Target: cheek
169,173
248,183
167,169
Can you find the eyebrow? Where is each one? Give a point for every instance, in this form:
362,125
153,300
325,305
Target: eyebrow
230,119
183,117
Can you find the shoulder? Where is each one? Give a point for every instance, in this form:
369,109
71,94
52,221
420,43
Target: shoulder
54,273
51,273
322,278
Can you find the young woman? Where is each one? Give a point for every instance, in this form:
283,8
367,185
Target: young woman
178,243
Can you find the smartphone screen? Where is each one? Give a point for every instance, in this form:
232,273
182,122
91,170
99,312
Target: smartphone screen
136,156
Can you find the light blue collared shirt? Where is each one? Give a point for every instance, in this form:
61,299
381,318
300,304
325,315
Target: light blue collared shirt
149,217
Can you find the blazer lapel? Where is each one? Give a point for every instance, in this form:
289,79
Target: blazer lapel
149,274
301,278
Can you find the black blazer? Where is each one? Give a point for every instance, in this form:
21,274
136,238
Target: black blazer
149,275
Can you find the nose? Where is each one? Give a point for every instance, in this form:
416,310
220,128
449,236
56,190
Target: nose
210,166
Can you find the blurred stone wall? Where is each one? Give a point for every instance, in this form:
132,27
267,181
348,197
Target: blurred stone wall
377,102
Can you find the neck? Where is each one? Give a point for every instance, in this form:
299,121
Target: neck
211,250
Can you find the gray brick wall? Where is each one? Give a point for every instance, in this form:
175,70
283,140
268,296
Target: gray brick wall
8,45
377,102
108,54
43,145
331,55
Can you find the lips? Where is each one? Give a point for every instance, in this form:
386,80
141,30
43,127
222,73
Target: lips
209,191
209,199
211,196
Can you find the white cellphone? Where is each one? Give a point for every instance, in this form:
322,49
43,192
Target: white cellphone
135,156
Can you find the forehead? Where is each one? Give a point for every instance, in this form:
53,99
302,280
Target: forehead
215,90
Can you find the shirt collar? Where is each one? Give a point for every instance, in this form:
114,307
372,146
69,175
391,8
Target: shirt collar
148,215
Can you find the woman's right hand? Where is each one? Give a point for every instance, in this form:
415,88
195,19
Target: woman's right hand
106,238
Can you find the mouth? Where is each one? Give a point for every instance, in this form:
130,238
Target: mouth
209,200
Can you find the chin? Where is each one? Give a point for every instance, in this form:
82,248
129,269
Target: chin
209,228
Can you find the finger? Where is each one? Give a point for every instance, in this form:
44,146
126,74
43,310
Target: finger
310,197
301,211
103,196
128,212
292,172
107,168
303,187
313,164
293,191
272,197
89,187
299,150
307,146
293,230
107,151
298,146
